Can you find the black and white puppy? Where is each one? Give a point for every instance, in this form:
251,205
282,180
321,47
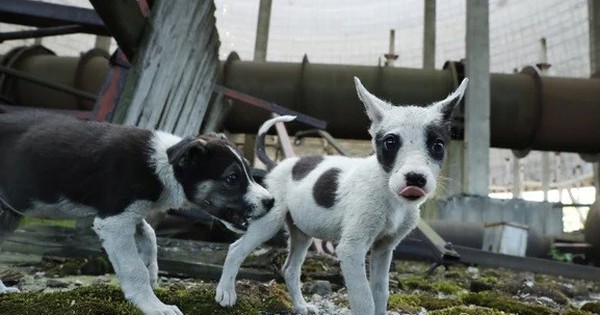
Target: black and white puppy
58,167
363,204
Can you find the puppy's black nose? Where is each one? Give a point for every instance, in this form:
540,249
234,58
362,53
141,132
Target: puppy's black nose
268,203
415,179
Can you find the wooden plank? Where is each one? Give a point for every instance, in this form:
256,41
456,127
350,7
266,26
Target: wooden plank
114,13
175,70
179,257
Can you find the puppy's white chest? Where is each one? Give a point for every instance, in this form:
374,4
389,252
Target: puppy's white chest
400,221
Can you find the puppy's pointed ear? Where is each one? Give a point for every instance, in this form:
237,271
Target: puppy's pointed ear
186,150
447,105
375,107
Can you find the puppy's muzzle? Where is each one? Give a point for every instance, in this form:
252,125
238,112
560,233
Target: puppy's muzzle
415,184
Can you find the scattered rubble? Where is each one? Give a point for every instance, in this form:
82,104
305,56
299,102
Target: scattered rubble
48,289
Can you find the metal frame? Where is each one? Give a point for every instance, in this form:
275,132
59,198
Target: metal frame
125,20
272,107
42,32
42,14
63,88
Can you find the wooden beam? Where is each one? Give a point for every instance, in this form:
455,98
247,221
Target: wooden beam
125,22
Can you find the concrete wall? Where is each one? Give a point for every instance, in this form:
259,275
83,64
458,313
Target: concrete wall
543,217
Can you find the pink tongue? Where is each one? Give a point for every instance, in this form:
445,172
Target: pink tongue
412,191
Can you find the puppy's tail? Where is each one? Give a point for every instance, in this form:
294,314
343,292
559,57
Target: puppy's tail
261,152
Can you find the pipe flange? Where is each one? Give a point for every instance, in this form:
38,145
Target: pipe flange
521,153
231,58
14,57
299,97
539,106
590,157
78,78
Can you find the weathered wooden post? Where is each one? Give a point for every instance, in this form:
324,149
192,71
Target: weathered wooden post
172,77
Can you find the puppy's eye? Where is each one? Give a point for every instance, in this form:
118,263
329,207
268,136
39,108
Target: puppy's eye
438,146
390,142
232,179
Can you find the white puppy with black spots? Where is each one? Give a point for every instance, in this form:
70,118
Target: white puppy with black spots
362,204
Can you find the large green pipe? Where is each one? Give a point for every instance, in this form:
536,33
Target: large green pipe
85,73
527,111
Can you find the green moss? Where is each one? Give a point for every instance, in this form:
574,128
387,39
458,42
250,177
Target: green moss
94,265
592,307
404,303
447,287
432,303
491,280
96,300
504,303
428,285
456,274
543,288
467,310
414,302
572,311
486,283
253,298
64,223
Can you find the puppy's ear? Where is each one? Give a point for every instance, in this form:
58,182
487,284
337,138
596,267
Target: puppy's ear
375,107
186,150
447,105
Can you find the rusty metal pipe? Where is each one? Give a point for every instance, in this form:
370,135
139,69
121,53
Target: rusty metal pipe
69,83
527,111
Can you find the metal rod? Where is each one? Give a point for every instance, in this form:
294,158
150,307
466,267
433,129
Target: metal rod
52,85
323,134
272,107
124,20
82,114
42,14
42,32
415,248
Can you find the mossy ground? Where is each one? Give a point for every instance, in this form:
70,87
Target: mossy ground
459,290
254,298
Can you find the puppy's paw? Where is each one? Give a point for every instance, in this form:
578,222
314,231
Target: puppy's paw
226,295
306,309
5,289
161,309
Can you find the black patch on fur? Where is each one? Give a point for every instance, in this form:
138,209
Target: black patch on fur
435,133
45,157
305,165
325,188
214,162
386,155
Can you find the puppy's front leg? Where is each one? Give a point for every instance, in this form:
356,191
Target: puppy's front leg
352,260
258,232
381,258
117,236
145,239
